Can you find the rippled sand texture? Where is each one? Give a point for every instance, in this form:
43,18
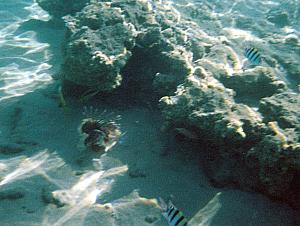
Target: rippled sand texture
24,60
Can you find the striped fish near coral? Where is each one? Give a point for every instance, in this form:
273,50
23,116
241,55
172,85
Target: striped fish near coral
253,58
253,55
203,217
174,216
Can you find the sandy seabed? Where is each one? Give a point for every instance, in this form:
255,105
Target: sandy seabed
39,152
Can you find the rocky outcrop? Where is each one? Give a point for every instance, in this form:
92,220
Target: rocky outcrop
283,108
208,109
248,120
259,78
58,8
278,154
110,44
276,159
97,47
257,150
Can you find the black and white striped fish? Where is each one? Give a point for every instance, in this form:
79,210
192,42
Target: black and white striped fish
253,55
174,216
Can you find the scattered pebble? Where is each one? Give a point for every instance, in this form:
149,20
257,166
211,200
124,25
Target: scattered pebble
29,211
150,219
79,172
137,173
8,149
47,196
25,142
11,194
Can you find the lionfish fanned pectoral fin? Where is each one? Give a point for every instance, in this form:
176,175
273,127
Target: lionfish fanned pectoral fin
87,95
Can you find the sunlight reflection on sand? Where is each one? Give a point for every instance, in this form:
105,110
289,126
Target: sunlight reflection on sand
24,66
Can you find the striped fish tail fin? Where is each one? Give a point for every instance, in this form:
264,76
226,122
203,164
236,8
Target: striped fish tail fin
177,218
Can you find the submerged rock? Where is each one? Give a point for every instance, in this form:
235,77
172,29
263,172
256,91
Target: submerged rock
247,83
98,40
109,44
150,50
150,219
165,84
136,173
283,108
9,149
245,147
12,194
280,18
210,109
59,8
47,197
277,160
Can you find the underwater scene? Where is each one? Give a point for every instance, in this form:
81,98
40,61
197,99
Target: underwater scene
149,112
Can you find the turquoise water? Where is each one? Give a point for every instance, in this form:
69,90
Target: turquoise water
44,153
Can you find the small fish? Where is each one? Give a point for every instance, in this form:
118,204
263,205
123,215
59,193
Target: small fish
174,216
253,55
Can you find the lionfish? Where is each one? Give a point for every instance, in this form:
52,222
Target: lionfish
100,135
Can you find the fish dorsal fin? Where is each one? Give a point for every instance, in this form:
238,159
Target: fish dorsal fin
163,205
170,204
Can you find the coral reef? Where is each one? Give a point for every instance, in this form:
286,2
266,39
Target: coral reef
283,108
131,43
246,147
97,47
277,156
59,8
258,78
190,57
281,19
240,139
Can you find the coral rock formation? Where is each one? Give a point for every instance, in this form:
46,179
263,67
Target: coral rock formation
98,42
190,58
59,8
